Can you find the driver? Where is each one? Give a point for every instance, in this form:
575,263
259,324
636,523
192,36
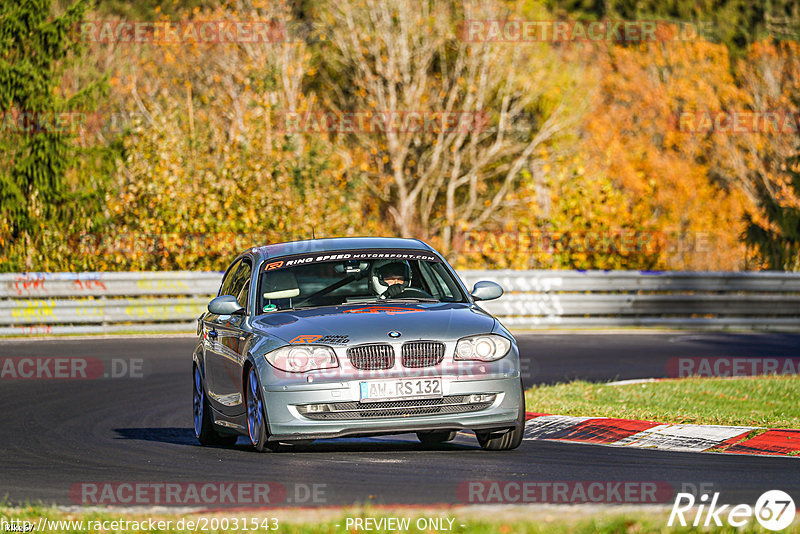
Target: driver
394,276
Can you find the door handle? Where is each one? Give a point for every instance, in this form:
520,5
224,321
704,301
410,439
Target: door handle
212,334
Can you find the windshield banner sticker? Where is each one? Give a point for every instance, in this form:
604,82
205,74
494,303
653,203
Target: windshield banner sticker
345,255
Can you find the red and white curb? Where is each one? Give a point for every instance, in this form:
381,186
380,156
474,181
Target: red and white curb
652,435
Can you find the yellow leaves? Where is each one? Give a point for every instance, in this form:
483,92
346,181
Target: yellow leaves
626,170
629,136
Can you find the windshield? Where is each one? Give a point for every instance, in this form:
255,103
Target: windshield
347,277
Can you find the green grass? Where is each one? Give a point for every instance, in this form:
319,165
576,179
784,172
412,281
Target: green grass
502,520
765,401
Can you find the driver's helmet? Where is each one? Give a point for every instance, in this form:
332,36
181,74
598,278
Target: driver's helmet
388,269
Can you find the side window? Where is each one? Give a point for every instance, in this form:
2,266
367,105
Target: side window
244,295
240,281
227,283
443,289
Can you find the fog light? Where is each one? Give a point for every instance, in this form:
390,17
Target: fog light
481,398
316,408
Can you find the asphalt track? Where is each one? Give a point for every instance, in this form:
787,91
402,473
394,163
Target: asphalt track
58,434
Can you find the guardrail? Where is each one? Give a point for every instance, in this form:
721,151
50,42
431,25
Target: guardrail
84,303
536,299
76,303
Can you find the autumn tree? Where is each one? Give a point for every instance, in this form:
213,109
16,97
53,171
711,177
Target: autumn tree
776,233
767,159
207,169
402,56
38,202
634,135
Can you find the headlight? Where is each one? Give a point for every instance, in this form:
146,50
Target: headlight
302,358
485,348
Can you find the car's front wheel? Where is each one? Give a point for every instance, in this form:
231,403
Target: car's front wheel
256,414
203,425
510,439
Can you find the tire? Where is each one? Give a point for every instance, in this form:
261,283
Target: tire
436,437
511,439
257,415
204,429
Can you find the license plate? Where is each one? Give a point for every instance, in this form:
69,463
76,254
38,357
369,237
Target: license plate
416,388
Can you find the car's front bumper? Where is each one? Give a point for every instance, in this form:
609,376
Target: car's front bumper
287,423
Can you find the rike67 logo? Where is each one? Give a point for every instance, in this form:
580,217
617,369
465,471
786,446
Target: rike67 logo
774,510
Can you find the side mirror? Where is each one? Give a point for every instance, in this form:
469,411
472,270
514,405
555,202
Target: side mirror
225,305
486,290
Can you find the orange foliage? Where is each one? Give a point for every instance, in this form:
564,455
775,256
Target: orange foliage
632,136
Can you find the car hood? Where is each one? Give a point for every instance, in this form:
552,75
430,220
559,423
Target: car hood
354,324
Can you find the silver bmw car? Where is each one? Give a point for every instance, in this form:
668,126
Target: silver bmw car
353,337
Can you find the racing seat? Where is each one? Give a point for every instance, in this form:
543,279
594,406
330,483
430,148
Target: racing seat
280,287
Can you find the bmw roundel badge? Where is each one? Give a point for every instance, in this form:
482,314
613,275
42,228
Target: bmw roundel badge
394,333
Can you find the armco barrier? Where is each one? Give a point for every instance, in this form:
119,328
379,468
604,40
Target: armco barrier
536,299
81,303
42,303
